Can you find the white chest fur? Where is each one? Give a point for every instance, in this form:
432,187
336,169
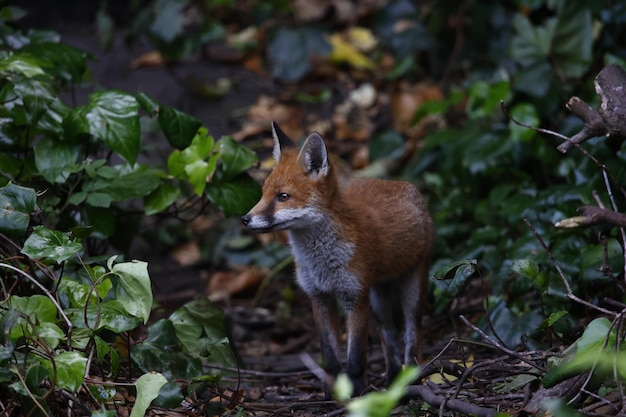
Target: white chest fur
322,260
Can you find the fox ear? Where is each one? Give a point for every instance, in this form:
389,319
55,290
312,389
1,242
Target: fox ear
281,140
313,157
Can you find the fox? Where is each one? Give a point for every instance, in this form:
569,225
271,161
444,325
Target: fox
365,244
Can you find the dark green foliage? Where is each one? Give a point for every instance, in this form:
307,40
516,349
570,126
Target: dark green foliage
70,186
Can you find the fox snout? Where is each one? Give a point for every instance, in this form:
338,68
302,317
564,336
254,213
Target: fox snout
245,219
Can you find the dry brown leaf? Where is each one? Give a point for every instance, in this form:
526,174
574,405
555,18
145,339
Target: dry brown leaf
266,109
152,59
308,10
225,284
405,102
187,254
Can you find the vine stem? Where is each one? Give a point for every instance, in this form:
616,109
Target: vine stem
45,290
570,294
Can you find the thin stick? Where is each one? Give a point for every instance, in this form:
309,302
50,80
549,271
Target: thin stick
556,265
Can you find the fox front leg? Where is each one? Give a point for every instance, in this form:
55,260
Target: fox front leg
326,316
357,320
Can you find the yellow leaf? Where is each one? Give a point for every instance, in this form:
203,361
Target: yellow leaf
439,378
345,53
362,39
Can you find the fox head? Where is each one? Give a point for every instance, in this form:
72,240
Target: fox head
295,192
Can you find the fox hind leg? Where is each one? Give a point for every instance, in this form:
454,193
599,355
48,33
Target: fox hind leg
383,305
413,296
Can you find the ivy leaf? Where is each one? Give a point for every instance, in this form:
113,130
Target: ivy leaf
178,127
69,369
55,157
235,196
135,281
148,387
236,158
16,205
459,272
50,244
58,59
289,51
110,116
158,200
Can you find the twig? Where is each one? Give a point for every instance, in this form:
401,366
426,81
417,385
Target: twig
500,346
568,287
453,404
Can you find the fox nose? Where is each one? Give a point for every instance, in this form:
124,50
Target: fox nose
245,219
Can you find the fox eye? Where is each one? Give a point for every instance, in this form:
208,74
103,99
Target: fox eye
282,197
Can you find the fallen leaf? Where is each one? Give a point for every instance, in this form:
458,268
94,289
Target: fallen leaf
152,59
308,10
225,284
266,109
406,100
343,52
187,254
362,39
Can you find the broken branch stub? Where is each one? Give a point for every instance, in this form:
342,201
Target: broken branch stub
610,119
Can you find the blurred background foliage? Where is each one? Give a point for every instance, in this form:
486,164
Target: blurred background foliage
482,173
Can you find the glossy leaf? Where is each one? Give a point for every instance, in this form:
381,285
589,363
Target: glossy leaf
70,370
16,205
459,272
137,295
60,60
236,158
54,158
50,244
178,127
110,116
235,196
111,315
161,198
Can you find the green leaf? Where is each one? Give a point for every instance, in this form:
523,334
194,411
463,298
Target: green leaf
50,333
134,279
54,158
110,116
178,127
16,205
382,403
70,370
21,64
170,396
484,98
112,315
290,50
235,196
36,95
389,144
530,270
197,163
58,59
148,387
524,113
460,272
158,200
51,244
236,158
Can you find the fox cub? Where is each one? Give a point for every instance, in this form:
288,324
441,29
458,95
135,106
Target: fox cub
366,244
